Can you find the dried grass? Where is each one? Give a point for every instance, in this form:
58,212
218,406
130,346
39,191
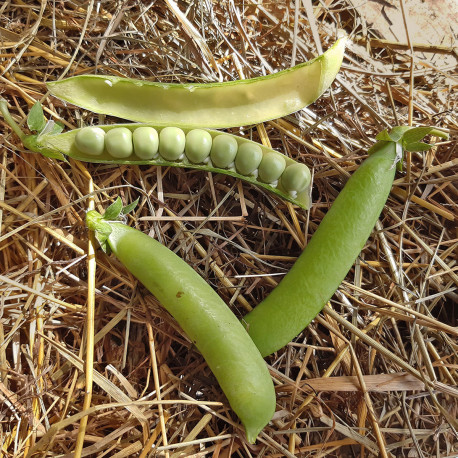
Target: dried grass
374,375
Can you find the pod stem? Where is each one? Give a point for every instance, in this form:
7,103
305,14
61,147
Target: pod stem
100,224
9,119
406,138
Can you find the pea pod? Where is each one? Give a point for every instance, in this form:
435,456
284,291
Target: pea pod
214,105
203,149
205,318
333,248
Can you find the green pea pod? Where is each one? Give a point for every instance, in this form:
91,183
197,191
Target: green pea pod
146,144
333,248
214,105
205,318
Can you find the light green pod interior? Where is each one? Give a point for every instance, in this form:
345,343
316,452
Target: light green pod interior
214,105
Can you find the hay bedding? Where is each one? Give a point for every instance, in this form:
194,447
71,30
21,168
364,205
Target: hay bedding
374,375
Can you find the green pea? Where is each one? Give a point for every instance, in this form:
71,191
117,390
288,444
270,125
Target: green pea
248,158
118,142
296,178
146,142
223,152
172,141
271,167
90,140
198,145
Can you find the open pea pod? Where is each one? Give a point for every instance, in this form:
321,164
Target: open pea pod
213,105
145,144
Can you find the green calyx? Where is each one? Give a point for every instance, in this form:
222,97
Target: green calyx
100,224
36,122
407,138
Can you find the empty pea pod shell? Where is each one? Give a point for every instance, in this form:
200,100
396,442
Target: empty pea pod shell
213,105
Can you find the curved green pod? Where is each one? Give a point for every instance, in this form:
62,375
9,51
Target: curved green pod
333,248
204,317
77,145
213,105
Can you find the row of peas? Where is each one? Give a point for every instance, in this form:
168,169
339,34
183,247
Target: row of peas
198,146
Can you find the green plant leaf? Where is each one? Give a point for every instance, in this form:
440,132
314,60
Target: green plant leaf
52,154
114,210
92,219
57,128
383,136
95,222
102,233
396,133
416,134
417,146
128,208
36,119
411,139
376,146
31,143
51,128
